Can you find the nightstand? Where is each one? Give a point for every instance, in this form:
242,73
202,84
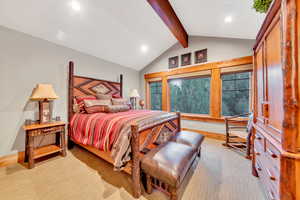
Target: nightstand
34,130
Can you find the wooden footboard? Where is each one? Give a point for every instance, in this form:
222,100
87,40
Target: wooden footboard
146,139
141,139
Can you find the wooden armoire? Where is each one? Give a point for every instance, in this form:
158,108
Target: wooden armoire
276,138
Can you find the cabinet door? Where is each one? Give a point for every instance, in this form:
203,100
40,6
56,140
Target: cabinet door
274,84
259,76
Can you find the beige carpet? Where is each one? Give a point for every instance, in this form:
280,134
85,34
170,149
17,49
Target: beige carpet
220,175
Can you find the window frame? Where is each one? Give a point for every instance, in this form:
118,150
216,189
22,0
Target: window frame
250,89
188,77
149,83
148,93
242,64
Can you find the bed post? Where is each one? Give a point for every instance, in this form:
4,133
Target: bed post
136,173
70,102
121,85
179,121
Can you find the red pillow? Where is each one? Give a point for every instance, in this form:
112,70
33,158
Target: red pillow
116,96
80,103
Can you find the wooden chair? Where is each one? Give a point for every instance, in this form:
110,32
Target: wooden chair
237,135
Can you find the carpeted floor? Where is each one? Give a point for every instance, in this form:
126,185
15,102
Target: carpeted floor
220,175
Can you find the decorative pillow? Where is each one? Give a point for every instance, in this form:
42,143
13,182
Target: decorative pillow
94,106
117,96
119,101
80,104
104,96
116,108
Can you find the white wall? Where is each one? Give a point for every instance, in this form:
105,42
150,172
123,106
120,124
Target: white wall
204,126
26,61
219,49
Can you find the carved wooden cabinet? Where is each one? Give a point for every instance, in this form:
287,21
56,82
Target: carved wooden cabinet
276,142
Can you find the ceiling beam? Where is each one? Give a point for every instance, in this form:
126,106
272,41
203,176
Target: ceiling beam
165,11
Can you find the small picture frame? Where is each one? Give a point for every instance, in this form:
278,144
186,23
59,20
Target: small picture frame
201,56
173,62
186,59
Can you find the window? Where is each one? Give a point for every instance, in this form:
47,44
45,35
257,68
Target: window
155,95
235,93
190,95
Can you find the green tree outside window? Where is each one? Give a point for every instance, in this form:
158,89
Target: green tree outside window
235,93
190,95
155,95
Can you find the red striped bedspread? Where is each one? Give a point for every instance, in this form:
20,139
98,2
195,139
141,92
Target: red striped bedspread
112,132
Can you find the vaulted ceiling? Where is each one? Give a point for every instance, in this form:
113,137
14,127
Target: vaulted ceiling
127,32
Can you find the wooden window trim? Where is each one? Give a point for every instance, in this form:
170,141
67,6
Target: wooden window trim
208,118
250,88
196,68
148,93
215,87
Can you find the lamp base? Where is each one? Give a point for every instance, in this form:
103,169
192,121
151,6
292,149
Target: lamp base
44,111
133,102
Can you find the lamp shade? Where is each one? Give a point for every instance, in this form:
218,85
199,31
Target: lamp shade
43,91
134,93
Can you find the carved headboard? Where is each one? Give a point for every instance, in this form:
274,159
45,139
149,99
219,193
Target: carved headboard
83,86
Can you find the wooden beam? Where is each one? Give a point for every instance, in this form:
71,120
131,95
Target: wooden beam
165,11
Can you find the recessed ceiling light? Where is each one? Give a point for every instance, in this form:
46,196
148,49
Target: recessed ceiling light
144,48
228,19
75,5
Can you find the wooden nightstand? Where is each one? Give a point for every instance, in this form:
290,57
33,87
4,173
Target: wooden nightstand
34,130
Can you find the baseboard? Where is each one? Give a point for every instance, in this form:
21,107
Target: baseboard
216,136
8,160
12,159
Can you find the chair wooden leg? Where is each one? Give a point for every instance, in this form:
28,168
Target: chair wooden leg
149,184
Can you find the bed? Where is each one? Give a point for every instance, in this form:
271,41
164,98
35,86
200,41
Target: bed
122,138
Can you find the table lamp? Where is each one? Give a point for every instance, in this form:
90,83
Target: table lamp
44,93
134,95
142,103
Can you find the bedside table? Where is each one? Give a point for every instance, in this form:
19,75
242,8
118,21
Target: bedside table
34,130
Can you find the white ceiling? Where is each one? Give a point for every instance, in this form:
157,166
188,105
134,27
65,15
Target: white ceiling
206,17
115,30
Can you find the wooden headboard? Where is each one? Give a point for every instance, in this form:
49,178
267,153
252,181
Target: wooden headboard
86,86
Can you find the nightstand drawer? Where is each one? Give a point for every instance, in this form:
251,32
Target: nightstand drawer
52,130
46,131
